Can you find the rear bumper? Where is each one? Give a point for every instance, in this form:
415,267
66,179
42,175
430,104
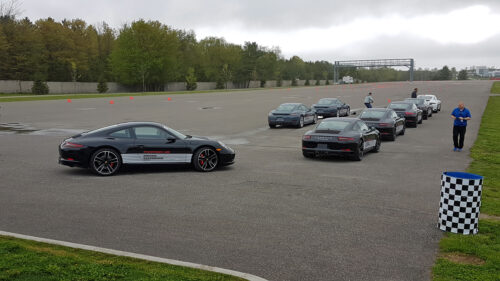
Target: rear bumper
70,163
410,120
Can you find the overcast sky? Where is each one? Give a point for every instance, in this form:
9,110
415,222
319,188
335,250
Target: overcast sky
457,33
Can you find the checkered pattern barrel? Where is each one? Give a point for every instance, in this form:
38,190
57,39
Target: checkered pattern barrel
460,202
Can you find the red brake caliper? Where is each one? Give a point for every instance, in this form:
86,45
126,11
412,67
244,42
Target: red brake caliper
201,161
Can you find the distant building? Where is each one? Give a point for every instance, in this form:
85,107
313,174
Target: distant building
482,71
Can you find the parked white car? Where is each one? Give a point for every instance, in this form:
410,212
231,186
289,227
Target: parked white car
433,101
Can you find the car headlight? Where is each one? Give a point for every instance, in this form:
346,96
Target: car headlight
223,145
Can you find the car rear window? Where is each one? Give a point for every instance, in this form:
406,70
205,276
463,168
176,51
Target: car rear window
327,101
334,125
399,105
286,107
372,114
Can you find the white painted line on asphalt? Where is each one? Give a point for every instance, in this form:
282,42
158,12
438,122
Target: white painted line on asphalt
246,276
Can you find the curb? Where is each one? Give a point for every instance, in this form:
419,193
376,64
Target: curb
246,276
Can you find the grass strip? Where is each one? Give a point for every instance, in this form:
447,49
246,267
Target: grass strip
459,254
29,260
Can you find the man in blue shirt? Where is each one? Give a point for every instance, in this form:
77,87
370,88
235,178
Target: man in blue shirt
460,115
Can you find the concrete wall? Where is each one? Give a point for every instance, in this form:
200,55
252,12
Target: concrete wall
14,86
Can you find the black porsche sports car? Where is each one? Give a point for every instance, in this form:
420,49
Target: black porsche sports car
292,114
423,105
408,110
341,136
331,107
105,150
387,122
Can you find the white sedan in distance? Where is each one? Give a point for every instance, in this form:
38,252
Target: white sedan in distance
433,101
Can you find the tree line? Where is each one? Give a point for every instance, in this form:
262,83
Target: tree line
142,54
146,55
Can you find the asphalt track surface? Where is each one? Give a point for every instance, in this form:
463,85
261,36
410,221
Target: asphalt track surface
273,214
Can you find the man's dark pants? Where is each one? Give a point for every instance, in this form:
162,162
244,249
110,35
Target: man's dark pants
459,136
368,105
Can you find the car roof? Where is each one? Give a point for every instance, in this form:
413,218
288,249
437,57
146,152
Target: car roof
329,99
349,119
377,109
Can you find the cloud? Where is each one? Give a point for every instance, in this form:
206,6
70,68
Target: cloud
336,29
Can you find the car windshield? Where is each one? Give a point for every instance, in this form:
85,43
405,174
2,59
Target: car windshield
286,107
175,133
328,101
377,114
334,125
399,105
424,97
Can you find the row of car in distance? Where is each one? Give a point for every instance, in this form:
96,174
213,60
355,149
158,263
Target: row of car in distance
354,137
298,114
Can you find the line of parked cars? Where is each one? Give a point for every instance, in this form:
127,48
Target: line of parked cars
354,137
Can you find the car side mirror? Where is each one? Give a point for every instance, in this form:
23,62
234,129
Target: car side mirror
171,139
353,113
372,128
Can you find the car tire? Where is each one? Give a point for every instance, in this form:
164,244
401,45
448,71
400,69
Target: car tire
359,152
308,154
205,159
105,162
424,117
272,126
377,146
439,107
301,122
430,113
393,136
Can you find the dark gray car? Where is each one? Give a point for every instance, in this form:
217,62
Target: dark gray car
341,136
423,105
386,120
292,114
331,107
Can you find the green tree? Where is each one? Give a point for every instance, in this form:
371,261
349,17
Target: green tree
191,80
443,74
462,75
145,55
102,85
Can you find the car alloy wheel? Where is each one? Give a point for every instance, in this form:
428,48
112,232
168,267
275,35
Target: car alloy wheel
205,159
359,152
105,162
301,122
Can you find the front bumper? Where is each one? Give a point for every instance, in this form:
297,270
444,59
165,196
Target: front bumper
326,112
284,120
227,158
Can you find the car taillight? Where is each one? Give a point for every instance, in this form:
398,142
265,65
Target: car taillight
306,137
345,139
71,145
385,125
409,113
